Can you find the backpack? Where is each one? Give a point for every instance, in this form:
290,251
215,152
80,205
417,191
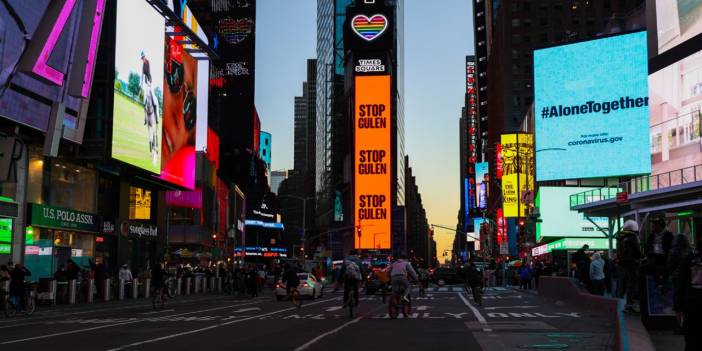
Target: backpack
352,270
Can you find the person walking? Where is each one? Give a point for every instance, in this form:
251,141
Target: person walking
17,285
525,276
657,248
597,275
538,271
629,261
687,299
582,264
125,274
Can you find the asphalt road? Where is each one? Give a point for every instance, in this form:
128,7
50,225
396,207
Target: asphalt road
444,320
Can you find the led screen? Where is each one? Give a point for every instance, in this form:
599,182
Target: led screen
138,87
517,172
591,102
139,203
675,93
372,162
557,220
180,114
482,181
677,21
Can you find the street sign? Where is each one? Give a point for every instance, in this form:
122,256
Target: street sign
622,197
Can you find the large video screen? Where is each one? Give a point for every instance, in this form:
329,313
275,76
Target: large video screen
180,114
677,21
517,172
138,87
676,103
372,162
591,102
557,220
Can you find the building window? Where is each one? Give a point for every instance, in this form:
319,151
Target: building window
515,54
515,22
543,21
543,37
516,39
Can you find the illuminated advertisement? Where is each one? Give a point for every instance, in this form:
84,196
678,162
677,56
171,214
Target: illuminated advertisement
139,203
517,172
591,102
472,115
138,87
675,105
482,184
48,48
372,162
677,21
557,220
180,115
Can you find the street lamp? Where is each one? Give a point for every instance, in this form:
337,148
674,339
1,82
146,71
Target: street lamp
304,213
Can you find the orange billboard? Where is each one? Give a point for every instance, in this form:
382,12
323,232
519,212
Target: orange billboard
372,162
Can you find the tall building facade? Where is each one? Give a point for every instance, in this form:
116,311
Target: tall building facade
421,246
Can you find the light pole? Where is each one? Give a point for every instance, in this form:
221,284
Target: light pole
304,215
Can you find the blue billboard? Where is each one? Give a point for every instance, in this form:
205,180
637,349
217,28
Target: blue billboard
481,184
590,104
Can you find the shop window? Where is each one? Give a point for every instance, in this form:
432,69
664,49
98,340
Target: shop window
139,203
72,186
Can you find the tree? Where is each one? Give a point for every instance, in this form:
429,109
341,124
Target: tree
134,84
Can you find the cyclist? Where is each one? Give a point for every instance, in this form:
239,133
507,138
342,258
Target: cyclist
17,288
290,279
158,278
351,275
398,276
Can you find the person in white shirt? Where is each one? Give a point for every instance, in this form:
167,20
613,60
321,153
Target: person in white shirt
125,274
398,275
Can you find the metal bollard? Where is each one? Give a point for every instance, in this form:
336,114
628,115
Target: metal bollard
120,290
187,286
106,289
196,289
212,284
135,288
91,290
179,284
147,288
72,292
219,284
52,291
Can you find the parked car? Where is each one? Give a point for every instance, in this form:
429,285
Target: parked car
309,287
442,276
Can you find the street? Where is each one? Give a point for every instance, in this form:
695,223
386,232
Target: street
444,319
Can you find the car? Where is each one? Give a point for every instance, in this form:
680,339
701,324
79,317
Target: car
442,276
309,287
373,284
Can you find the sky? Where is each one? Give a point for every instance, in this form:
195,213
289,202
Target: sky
437,39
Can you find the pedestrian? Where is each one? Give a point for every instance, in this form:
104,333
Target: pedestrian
629,261
17,292
657,248
525,276
538,271
582,265
687,301
125,274
597,275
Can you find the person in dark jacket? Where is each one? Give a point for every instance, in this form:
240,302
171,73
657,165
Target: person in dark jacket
582,265
17,284
657,248
474,278
629,261
687,300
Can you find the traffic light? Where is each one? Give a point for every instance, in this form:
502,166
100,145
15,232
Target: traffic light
522,227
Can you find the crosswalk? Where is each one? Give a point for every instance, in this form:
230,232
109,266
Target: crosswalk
459,288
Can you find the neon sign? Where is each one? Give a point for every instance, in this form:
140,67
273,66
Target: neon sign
369,28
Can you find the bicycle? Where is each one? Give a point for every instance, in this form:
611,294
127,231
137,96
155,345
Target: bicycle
294,296
10,308
352,300
158,301
397,304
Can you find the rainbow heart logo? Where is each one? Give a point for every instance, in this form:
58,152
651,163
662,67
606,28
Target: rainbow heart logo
369,28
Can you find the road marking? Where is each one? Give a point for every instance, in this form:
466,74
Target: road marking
334,308
154,312
498,307
477,314
422,308
443,289
114,325
333,331
171,336
247,309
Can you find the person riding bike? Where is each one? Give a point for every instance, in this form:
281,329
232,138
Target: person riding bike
17,286
398,276
351,275
158,278
290,279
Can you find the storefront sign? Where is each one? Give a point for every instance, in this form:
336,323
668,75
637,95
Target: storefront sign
539,250
108,227
369,65
62,218
5,249
143,230
8,208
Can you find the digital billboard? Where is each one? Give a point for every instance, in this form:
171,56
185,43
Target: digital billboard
139,203
482,184
372,162
138,87
517,172
591,102
557,220
180,114
675,106
676,22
